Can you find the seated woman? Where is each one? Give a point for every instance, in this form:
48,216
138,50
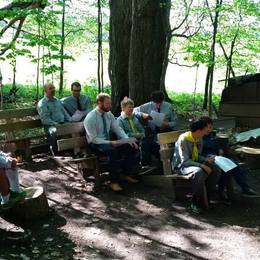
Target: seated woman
10,189
133,128
211,147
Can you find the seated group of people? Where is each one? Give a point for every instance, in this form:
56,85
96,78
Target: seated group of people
134,142
136,130
194,154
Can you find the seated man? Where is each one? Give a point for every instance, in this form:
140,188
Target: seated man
133,128
122,153
77,105
10,189
157,104
211,147
187,159
52,113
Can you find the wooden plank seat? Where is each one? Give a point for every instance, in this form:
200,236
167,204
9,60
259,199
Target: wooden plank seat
21,129
74,139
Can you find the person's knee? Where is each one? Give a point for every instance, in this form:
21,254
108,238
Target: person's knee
200,175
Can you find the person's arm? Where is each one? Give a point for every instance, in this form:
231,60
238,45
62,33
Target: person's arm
172,118
5,161
92,131
67,117
120,122
45,115
89,105
117,129
143,112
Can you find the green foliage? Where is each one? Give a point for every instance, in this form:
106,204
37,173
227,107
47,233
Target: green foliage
25,96
188,105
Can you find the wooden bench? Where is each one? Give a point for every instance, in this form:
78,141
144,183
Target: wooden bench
73,139
22,132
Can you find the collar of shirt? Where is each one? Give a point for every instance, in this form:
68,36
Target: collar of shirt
100,112
48,99
125,116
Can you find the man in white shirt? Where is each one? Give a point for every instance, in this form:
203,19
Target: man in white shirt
122,153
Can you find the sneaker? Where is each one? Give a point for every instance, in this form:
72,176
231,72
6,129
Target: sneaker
195,209
250,193
130,179
115,187
16,197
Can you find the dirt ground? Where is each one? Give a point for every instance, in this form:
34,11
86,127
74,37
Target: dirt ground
141,223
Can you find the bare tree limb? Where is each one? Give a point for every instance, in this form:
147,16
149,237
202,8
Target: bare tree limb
2,51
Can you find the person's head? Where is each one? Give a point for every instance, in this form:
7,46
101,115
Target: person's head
209,123
127,105
75,89
49,90
104,102
157,97
199,128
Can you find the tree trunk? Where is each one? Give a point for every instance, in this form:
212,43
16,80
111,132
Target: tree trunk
147,48
62,48
119,43
1,91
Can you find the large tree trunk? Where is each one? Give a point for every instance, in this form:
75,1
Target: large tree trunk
119,35
147,48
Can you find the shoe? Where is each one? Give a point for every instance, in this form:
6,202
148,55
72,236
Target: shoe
130,179
115,187
195,209
250,193
16,197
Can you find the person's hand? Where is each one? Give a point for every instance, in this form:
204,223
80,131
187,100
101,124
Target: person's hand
220,152
14,163
146,116
210,159
206,168
114,143
164,125
139,135
133,143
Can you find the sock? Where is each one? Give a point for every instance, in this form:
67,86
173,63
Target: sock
13,179
5,199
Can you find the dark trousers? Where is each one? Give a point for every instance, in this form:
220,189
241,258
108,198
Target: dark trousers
122,159
51,138
199,179
149,147
239,176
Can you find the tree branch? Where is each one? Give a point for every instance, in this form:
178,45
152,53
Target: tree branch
14,38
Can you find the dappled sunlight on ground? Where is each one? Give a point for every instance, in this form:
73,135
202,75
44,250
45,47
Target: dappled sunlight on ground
140,223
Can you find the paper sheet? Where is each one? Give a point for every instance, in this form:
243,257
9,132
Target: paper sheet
78,115
224,163
158,118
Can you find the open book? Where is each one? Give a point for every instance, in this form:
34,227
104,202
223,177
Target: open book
224,163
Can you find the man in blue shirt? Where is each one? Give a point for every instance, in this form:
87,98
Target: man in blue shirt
52,113
157,104
77,105
122,153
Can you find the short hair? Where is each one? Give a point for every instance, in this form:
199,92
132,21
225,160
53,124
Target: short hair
126,101
157,96
198,124
207,119
75,84
101,97
48,85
